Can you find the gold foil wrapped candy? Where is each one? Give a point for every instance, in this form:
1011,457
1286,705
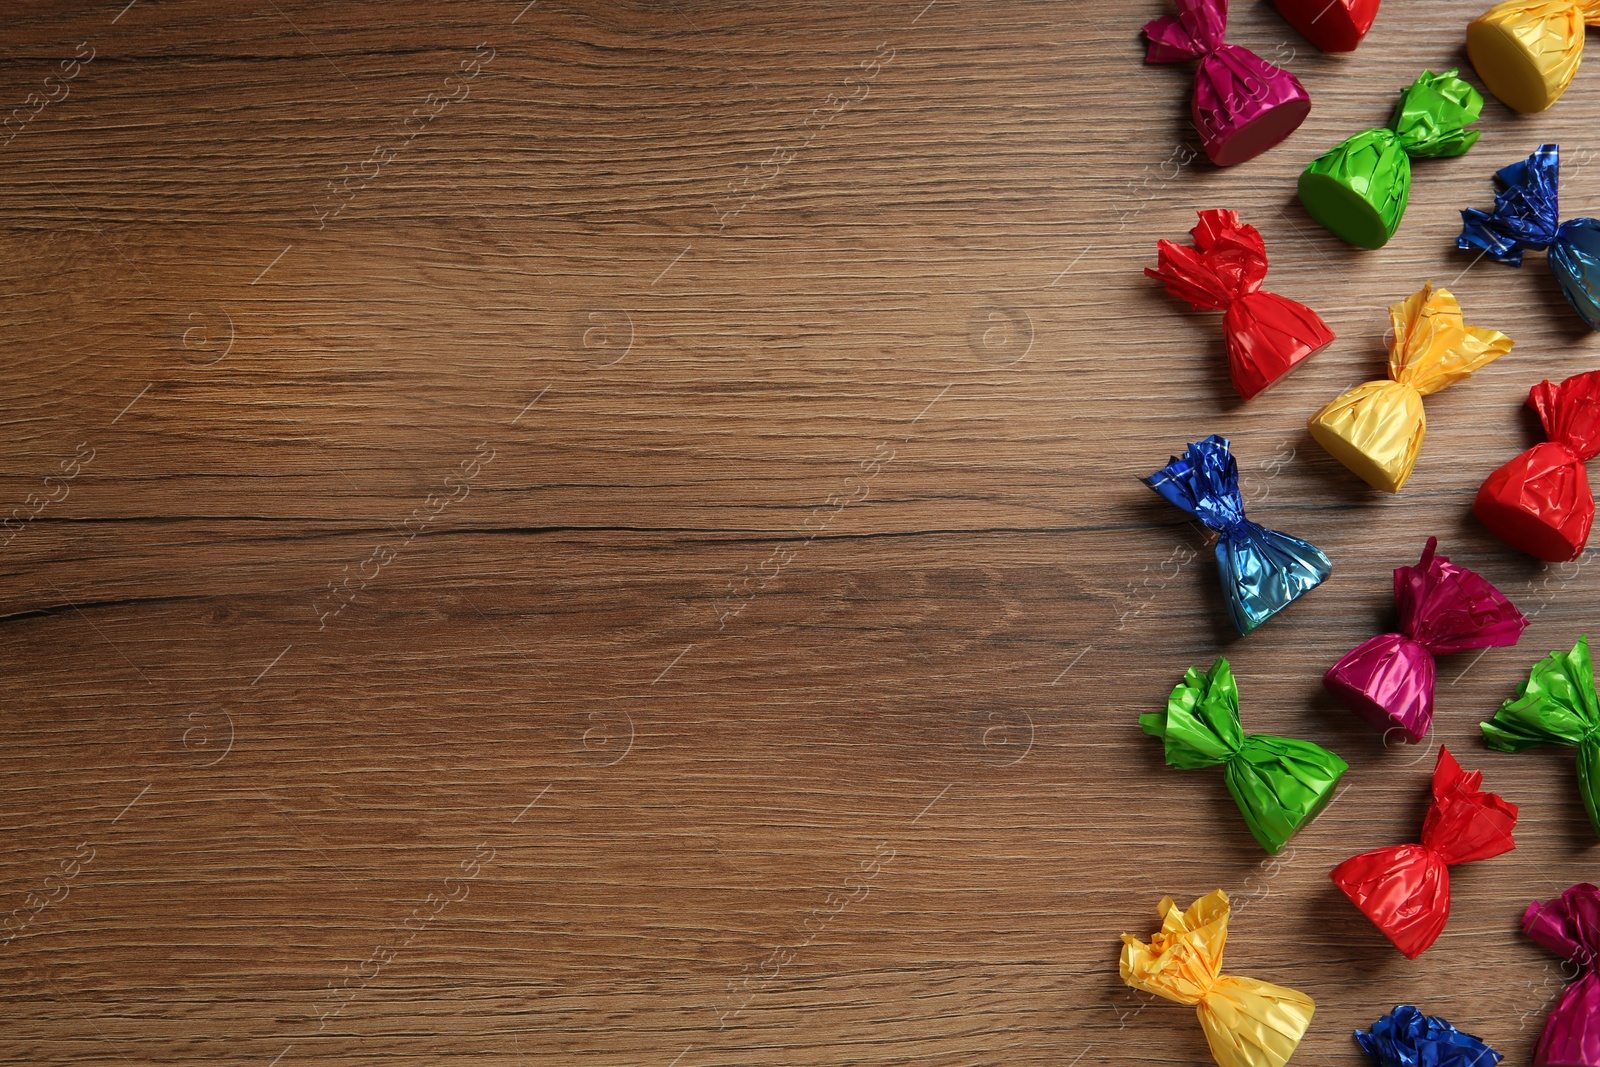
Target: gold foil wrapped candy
1247,1023
1526,51
1376,429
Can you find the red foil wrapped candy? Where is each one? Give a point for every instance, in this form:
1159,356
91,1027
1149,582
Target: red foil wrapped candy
1569,926
1331,25
1242,104
1388,679
1540,502
1266,334
1405,889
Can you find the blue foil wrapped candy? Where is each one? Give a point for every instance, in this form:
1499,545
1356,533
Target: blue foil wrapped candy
1407,1038
1527,217
1263,571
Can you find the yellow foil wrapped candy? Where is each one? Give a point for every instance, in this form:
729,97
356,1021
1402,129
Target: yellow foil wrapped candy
1247,1023
1526,51
1376,429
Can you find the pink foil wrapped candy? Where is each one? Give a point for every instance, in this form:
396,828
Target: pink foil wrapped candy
1569,926
1242,104
1388,679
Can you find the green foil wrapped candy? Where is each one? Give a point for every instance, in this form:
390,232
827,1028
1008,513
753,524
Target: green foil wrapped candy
1359,189
1280,784
1556,706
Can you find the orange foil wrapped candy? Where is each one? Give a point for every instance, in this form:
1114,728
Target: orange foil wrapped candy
1540,502
1247,1023
1376,429
1405,889
1331,25
1527,51
1266,334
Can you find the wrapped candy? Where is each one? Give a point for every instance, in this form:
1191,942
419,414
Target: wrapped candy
1359,189
1279,783
1569,926
1407,1038
1540,501
1247,1023
1263,571
1242,104
1405,889
1527,215
1388,679
1376,429
1527,51
1331,25
1556,705
1266,334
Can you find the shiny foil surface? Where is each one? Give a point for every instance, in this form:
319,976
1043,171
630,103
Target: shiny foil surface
1376,429
1265,334
1540,501
1263,571
1569,926
1279,783
1242,104
1388,680
1359,188
1331,25
1556,705
1527,216
1247,1023
1527,51
1405,889
1407,1038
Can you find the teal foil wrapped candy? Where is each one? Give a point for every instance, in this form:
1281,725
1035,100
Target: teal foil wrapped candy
1279,783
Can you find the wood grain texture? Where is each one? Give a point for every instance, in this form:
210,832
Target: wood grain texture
646,566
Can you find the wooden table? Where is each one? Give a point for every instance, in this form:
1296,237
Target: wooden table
609,534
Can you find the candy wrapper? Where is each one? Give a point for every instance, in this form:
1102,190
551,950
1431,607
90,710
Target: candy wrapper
1331,25
1279,783
1407,1038
1263,571
1388,679
1247,1023
1405,889
1223,270
1242,104
1376,429
1569,926
1540,502
1527,215
1527,51
1359,189
1556,706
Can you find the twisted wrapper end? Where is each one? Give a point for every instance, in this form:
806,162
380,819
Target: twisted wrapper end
1527,210
1407,1038
1569,926
1246,1023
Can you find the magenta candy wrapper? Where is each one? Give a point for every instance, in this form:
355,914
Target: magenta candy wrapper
1242,105
1388,680
1569,926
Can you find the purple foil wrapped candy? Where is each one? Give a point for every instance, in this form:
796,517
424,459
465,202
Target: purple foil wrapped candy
1242,105
1569,926
1388,679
